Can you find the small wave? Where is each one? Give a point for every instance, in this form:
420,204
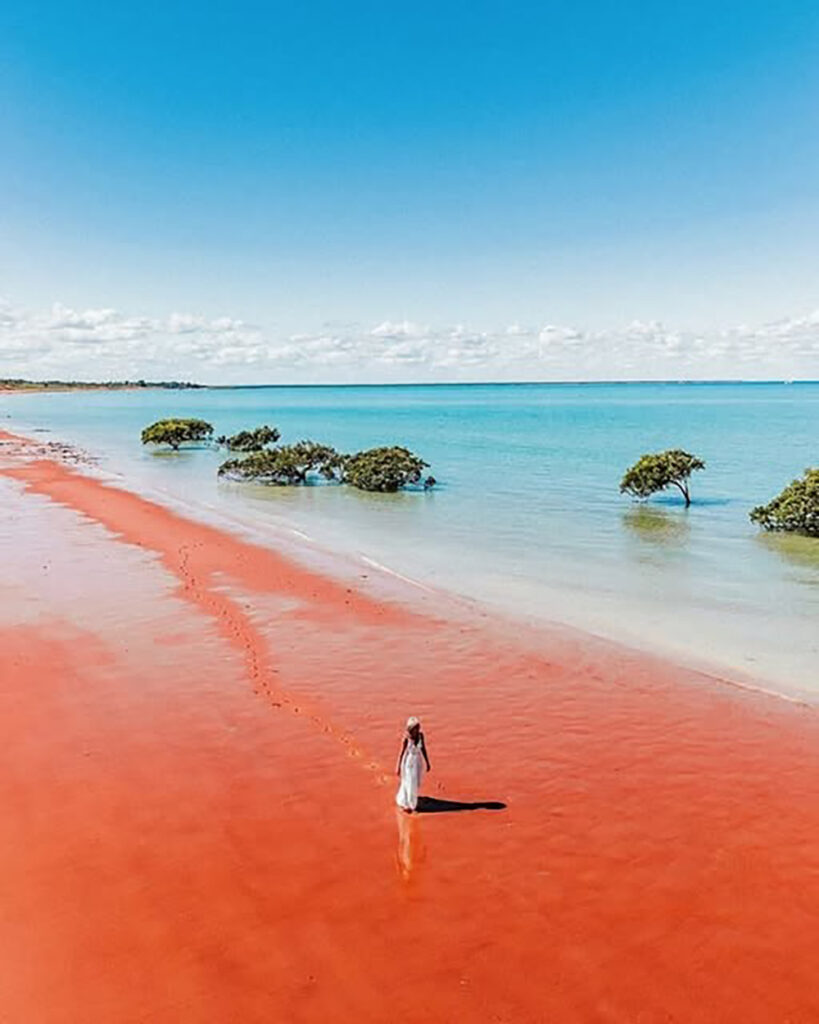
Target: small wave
399,576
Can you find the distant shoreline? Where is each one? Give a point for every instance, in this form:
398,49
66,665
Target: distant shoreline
22,386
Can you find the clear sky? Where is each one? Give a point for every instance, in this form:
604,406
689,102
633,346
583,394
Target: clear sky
361,190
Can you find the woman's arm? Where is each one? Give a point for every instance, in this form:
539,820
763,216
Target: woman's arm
401,757
424,752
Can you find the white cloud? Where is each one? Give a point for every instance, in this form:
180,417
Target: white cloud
105,343
404,329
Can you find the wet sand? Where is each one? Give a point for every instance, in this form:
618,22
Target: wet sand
197,780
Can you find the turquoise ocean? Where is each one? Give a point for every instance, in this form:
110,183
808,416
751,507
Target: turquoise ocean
527,518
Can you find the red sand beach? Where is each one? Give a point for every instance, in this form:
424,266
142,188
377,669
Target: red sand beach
199,738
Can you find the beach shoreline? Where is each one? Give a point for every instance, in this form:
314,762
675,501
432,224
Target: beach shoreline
558,545
702,587
352,568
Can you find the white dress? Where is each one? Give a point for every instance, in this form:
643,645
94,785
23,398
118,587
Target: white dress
412,770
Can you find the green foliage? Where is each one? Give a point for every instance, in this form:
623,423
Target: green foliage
288,464
384,469
379,469
652,473
175,432
250,440
795,510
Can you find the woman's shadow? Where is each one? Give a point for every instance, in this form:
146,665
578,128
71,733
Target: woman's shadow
435,805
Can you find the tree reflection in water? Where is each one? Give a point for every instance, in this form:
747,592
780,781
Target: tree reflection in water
657,526
798,551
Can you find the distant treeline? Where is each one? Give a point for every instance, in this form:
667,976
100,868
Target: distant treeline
20,384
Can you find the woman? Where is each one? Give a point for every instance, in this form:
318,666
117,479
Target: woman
410,767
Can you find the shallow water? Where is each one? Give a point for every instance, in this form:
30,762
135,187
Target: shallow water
527,516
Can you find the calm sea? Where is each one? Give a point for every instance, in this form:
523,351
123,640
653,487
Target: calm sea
527,516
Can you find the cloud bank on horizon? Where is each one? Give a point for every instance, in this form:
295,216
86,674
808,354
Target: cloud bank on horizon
94,344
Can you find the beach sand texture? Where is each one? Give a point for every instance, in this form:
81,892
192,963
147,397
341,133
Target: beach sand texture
199,740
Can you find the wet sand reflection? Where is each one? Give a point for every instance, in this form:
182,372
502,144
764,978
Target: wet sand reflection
411,848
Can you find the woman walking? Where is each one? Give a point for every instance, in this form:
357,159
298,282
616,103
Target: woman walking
410,767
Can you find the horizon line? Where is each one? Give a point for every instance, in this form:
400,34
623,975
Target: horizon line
518,383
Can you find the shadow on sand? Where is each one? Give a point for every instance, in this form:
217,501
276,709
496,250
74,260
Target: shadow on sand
432,805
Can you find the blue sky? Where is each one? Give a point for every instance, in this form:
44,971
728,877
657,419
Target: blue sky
348,191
